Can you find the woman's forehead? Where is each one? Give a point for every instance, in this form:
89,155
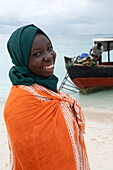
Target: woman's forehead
41,39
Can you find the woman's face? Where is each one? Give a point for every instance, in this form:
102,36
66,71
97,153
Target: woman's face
42,56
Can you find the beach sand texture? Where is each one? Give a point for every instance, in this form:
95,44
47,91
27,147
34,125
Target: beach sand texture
99,139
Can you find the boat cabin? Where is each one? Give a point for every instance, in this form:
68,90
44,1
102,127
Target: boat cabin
107,45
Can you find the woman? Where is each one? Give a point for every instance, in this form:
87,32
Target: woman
45,127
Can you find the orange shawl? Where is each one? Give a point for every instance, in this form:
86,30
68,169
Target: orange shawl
45,130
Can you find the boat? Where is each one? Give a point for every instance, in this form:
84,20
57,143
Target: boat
91,78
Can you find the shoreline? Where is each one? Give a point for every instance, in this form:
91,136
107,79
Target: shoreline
98,138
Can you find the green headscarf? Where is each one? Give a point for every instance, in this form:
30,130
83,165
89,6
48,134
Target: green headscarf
19,47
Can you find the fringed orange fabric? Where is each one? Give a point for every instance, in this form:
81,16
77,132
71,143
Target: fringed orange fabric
45,130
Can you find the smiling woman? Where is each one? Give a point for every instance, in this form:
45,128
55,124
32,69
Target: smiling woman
45,127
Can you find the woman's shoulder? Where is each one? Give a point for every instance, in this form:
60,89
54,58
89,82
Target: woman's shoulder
20,97
19,93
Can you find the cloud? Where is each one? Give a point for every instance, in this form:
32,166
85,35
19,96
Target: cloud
58,15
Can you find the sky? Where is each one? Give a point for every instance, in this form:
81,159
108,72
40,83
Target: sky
58,16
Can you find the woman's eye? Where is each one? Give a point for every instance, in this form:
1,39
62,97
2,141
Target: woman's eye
50,48
37,54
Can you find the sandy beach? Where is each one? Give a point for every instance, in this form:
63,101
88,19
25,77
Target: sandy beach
4,153
98,137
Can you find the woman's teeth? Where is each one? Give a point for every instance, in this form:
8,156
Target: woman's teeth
51,66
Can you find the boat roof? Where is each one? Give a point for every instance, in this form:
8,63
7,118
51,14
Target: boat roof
103,39
106,42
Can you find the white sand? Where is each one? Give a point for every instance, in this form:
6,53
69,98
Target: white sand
3,143
99,139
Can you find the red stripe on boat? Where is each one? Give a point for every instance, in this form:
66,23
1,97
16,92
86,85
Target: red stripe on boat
93,82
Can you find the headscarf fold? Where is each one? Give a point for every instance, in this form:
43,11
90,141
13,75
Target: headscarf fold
19,47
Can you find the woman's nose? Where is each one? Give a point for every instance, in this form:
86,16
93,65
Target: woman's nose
50,55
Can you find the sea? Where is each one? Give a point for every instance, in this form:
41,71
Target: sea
70,45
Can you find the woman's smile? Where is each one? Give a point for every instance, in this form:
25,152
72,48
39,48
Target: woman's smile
49,69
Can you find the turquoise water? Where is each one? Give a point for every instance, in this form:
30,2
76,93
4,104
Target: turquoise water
64,45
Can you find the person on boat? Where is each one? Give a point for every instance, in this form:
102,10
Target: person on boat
45,127
96,52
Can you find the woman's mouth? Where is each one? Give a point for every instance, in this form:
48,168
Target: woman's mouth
47,70
49,67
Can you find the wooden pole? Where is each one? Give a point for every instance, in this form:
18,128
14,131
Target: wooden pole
108,47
